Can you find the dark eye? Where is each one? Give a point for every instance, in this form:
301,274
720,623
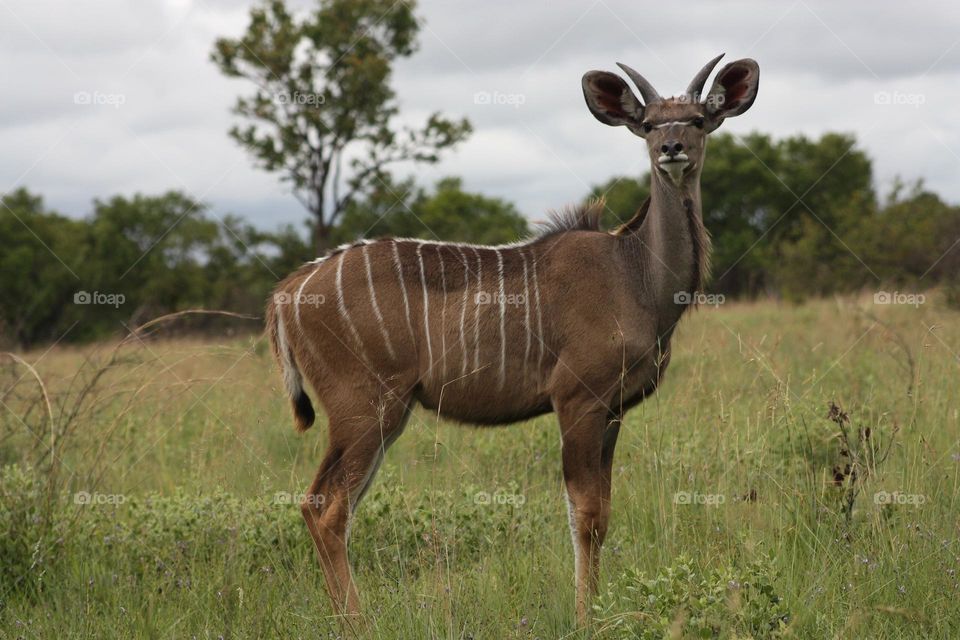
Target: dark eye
647,127
698,123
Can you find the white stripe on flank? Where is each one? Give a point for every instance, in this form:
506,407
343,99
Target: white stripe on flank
463,310
341,305
291,376
536,300
296,301
403,288
503,321
376,307
526,314
443,318
476,311
426,307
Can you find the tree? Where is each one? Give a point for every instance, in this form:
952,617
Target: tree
323,109
132,259
914,240
623,196
40,259
449,213
750,187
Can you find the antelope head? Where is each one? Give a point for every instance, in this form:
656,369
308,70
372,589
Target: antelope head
675,128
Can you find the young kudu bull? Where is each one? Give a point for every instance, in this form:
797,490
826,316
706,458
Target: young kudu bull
577,321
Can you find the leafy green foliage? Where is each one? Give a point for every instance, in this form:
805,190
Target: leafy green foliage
39,256
163,536
449,213
151,254
29,535
680,601
201,544
323,110
623,195
166,253
799,217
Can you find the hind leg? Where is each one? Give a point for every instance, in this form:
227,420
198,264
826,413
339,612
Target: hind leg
356,448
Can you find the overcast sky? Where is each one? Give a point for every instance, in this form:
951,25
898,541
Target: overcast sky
823,67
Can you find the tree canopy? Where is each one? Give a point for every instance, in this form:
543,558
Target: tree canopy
794,218
322,113
799,216
449,213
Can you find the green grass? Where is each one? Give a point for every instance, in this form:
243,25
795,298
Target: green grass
203,546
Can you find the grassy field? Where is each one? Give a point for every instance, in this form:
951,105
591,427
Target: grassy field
168,508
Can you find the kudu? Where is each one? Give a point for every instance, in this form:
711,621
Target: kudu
577,321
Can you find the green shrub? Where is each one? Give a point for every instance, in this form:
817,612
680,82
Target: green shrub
171,534
454,524
166,536
680,602
30,537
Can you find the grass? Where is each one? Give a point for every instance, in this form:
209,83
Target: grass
731,496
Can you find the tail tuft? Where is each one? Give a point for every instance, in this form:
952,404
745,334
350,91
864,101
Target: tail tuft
303,414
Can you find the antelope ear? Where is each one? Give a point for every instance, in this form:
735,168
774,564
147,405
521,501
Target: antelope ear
733,91
610,99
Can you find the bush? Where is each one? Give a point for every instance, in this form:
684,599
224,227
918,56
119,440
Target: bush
449,524
679,602
29,535
166,537
169,535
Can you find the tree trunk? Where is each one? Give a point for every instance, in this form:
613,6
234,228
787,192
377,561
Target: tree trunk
321,228
321,237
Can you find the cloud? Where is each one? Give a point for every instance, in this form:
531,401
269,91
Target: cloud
158,110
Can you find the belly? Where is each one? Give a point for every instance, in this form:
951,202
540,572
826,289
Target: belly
475,399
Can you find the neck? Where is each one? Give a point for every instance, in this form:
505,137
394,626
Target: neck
672,247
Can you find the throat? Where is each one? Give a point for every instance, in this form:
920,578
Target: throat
673,250
700,246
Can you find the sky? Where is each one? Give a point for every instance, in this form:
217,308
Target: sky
107,97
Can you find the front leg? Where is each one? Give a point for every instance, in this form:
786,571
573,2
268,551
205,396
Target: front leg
588,444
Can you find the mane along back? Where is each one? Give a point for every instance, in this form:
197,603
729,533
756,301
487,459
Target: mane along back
582,217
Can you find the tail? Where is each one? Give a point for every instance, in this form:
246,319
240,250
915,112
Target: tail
303,414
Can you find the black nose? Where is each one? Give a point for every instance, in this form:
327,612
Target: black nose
671,148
